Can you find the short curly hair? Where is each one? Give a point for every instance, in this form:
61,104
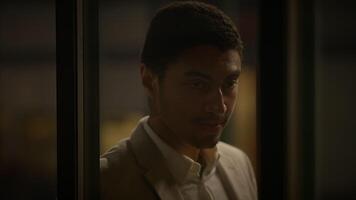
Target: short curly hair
184,24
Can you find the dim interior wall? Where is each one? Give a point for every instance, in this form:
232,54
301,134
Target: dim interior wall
335,112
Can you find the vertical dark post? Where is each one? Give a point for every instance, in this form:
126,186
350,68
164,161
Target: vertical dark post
271,99
67,115
77,99
91,100
306,57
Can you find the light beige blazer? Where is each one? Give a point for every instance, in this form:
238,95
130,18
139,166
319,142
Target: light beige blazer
135,169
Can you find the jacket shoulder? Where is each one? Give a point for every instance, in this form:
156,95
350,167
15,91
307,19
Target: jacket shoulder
233,156
120,175
117,163
115,155
231,152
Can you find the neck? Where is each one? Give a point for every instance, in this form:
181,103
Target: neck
170,138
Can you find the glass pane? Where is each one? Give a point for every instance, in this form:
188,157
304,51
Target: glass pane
122,99
27,100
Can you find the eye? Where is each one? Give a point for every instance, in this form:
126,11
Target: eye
231,84
199,85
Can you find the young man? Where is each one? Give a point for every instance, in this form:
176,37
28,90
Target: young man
191,62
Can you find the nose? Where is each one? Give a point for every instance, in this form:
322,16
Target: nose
216,103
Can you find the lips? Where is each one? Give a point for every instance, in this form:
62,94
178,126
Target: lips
209,128
211,125
212,121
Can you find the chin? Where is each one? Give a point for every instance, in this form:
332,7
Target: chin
206,144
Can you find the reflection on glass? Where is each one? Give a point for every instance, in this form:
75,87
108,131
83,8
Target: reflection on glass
27,100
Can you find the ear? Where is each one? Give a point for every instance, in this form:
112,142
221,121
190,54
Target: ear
149,80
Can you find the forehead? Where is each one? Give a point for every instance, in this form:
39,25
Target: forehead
209,60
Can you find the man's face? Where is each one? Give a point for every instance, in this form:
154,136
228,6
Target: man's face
197,95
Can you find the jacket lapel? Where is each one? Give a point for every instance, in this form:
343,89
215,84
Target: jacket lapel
228,177
166,189
152,162
234,179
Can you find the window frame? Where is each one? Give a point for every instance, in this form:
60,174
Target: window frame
77,73
78,99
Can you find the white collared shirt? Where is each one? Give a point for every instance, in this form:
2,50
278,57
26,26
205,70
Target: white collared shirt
194,182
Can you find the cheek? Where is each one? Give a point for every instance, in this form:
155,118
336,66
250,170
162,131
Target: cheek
230,100
231,106
183,104
184,96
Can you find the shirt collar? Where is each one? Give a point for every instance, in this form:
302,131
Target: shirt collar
183,168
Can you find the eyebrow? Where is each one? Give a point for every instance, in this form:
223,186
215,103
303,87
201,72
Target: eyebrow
234,75
193,73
